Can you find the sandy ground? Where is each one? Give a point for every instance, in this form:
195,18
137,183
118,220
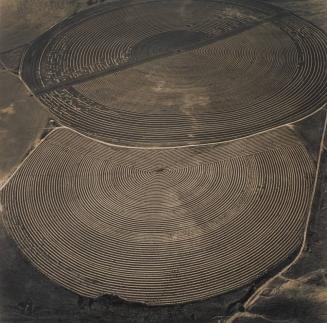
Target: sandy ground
21,122
23,20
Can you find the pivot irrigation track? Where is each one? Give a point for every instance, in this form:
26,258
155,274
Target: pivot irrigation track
167,73
159,226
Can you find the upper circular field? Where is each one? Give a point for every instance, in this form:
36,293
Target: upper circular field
174,73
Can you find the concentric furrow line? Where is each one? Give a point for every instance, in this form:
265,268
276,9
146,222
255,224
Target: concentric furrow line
159,226
179,73
96,46
122,56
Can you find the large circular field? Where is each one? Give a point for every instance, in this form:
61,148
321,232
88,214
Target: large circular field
159,226
174,73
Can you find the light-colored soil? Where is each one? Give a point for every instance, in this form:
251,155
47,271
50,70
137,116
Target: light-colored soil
22,121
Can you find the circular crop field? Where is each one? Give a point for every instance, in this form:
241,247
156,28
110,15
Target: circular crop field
174,73
159,226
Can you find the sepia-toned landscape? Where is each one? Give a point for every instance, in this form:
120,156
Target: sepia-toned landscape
163,161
